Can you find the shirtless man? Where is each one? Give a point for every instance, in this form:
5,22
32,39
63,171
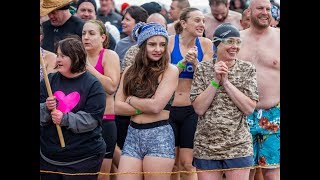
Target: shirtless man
261,46
220,13
174,12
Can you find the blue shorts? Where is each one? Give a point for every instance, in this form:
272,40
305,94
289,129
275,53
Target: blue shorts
152,139
265,129
241,162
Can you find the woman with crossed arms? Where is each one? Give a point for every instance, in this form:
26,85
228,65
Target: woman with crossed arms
145,89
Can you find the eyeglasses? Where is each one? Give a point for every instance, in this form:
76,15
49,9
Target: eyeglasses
228,41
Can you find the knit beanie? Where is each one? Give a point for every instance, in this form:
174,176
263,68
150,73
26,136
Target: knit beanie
151,7
143,31
93,2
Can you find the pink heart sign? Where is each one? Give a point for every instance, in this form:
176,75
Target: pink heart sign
67,102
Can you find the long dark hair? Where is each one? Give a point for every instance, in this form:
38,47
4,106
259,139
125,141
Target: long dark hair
141,79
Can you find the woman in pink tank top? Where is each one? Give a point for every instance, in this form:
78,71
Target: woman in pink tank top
105,65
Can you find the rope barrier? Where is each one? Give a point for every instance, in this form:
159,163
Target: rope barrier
142,173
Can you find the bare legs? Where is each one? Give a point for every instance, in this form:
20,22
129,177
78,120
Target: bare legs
183,162
242,174
186,157
148,164
105,168
265,174
271,174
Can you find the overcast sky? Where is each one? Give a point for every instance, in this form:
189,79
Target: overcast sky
201,4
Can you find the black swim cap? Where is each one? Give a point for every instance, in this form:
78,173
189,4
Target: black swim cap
224,30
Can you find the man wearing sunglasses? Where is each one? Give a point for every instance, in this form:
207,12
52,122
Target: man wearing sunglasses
261,46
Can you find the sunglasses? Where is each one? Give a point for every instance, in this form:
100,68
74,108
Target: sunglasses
228,41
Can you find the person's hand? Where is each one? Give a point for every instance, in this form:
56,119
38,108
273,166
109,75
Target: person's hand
191,56
220,69
51,103
224,78
56,116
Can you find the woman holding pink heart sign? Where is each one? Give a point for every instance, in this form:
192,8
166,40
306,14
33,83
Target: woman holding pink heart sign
77,105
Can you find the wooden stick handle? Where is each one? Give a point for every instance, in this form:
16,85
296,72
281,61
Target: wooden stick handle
46,80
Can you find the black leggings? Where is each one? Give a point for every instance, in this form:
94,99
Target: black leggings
122,123
109,134
183,120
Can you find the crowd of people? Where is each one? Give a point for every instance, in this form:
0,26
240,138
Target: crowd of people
143,89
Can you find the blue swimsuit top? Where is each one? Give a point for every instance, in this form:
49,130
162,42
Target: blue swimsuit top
176,57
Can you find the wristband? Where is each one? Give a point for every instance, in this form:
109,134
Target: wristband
180,65
138,111
214,84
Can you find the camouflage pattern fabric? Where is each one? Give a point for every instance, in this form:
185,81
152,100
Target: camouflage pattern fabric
222,131
129,57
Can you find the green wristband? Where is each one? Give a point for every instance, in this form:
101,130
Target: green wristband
138,111
180,65
214,84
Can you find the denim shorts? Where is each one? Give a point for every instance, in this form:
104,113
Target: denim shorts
205,164
152,139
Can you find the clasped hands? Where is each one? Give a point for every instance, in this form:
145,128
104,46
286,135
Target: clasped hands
191,56
221,72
